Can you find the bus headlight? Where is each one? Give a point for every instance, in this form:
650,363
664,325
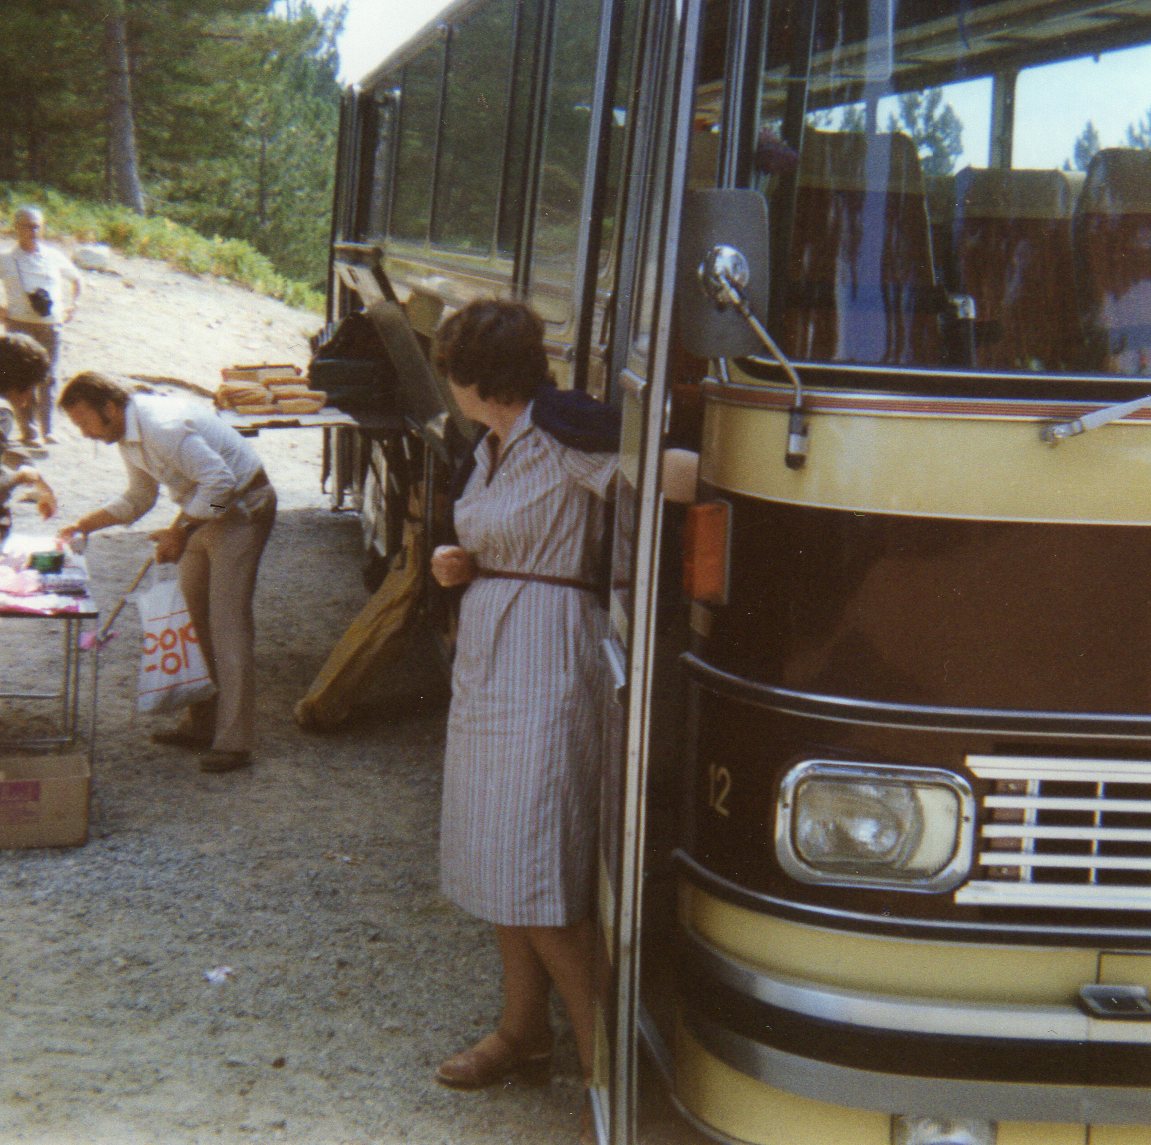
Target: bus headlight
875,825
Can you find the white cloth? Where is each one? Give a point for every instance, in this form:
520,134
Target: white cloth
203,462
23,272
521,782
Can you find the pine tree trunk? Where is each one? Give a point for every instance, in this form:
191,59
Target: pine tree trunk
123,170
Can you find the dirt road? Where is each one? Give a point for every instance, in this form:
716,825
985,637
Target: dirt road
308,882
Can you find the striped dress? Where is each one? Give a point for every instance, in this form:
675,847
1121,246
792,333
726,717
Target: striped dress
521,780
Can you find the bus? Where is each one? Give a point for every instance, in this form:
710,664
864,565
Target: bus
875,857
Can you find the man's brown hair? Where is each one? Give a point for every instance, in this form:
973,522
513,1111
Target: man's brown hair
94,389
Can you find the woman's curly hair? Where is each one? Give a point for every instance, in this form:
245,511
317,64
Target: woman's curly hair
497,346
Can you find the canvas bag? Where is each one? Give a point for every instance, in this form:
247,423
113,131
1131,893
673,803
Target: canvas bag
173,672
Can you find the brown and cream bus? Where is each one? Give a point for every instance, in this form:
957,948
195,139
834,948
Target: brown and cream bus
876,846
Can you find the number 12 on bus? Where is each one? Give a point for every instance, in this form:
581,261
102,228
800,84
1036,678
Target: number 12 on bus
876,831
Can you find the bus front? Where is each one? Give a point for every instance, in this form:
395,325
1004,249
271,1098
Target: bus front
915,881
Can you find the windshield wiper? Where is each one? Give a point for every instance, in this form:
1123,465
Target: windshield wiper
1056,432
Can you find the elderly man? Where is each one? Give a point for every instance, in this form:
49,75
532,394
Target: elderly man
41,287
227,509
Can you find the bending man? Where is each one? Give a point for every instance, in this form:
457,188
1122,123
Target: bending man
227,509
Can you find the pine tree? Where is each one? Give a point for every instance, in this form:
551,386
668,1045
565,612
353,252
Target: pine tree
1086,144
1139,133
123,165
934,126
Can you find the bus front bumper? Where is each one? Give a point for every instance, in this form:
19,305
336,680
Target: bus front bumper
896,1055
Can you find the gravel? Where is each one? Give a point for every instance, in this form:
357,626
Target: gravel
262,956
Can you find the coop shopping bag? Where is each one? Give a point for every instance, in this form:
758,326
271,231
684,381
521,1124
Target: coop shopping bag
173,673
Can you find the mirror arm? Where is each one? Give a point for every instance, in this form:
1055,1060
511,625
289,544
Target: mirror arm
723,274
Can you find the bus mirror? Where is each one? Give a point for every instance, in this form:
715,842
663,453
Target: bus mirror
723,239
722,273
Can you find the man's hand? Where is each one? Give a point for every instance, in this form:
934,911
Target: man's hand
170,544
89,523
453,566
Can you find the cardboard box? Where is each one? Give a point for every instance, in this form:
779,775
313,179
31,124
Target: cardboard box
44,800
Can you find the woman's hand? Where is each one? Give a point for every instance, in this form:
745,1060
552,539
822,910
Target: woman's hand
45,498
453,566
680,475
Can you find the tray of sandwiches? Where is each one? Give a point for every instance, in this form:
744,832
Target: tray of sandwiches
267,391
268,396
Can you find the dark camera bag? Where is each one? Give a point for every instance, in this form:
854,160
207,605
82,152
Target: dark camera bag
40,301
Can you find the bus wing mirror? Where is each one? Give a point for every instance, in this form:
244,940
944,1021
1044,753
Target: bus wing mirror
723,240
723,284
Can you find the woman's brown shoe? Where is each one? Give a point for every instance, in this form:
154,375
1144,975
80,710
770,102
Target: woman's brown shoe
494,1059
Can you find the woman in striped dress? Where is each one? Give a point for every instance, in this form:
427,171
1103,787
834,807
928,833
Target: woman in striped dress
521,783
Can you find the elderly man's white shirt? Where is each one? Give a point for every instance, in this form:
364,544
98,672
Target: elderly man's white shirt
47,268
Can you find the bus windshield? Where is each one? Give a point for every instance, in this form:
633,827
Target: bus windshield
957,184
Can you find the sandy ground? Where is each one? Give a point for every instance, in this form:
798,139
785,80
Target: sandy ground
311,876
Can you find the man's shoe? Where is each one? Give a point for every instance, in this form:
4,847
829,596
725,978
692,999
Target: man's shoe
217,761
177,737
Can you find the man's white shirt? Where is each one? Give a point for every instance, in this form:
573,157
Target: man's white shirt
23,272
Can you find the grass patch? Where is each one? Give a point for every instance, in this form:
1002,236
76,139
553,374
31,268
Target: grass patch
162,239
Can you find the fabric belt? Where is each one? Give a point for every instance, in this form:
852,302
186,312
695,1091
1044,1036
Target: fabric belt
538,578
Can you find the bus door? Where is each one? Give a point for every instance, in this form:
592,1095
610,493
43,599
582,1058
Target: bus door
640,353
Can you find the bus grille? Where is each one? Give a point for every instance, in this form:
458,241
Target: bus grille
1062,833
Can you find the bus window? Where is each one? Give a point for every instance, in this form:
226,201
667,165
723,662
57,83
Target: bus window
934,217
519,112
617,142
860,285
475,108
415,160
378,162
1112,243
564,156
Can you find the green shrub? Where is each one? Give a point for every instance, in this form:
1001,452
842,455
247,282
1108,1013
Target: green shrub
159,238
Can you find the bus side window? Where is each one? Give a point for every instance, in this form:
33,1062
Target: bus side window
472,130
1012,252
861,282
416,153
1112,235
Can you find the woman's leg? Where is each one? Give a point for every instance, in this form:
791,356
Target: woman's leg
567,953
527,986
521,1045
